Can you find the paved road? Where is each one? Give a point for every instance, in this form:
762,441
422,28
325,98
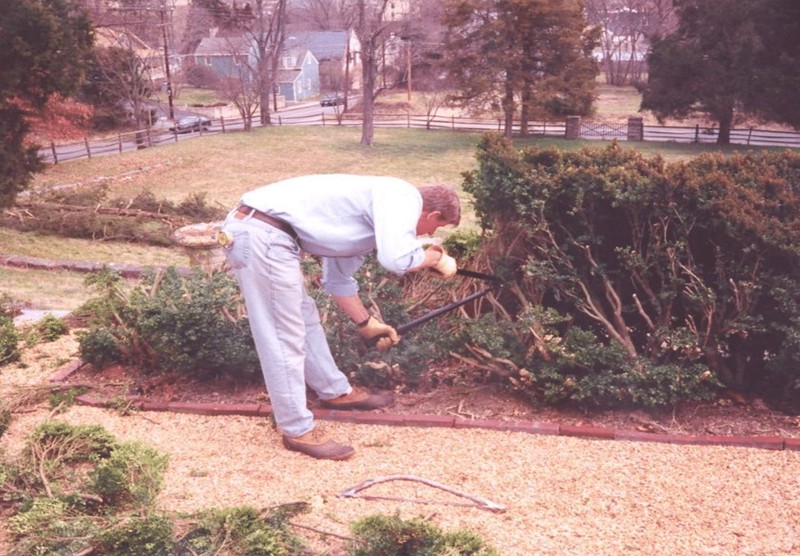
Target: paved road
160,134
312,114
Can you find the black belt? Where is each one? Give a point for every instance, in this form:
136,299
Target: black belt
282,225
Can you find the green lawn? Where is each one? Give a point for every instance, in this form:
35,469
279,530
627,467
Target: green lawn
224,166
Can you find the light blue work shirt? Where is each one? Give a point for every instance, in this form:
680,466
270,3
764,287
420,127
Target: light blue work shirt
342,218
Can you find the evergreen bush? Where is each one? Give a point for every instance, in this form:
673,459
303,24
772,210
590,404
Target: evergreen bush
660,279
381,535
196,324
150,535
170,322
154,224
130,475
50,328
9,341
243,530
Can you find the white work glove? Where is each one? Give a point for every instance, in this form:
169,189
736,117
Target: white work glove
380,334
446,265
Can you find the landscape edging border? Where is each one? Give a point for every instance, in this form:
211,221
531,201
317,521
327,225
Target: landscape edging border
442,421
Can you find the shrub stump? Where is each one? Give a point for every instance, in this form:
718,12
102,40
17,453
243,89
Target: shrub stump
200,243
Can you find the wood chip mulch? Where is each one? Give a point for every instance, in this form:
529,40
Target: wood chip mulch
561,494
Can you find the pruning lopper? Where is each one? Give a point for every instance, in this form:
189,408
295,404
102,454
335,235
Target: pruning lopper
495,282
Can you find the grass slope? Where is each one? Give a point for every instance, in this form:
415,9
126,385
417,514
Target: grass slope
224,166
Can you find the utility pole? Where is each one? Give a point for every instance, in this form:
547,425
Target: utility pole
166,60
408,58
347,57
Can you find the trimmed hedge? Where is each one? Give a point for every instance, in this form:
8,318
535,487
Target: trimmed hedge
642,281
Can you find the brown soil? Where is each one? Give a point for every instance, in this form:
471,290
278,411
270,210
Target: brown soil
729,415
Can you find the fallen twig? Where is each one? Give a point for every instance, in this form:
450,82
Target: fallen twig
320,531
480,502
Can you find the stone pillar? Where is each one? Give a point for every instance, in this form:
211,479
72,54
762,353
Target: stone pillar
635,128
573,130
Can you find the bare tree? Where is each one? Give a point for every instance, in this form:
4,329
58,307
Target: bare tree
321,15
239,91
238,84
267,31
433,101
371,28
121,79
627,27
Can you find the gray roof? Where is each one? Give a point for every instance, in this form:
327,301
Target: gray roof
324,45
222,46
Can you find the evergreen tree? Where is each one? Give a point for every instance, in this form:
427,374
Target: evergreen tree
727,59
43,48
531,57
777,70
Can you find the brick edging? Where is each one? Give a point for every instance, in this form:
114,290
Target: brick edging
444,421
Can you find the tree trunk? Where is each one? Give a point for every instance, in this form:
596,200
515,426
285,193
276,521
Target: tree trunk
508,109
725,123
263,102
525,111
368,78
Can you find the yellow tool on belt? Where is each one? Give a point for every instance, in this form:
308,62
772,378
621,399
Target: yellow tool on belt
224,239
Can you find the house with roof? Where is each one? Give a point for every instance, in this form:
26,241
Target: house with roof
225,56
235,57
336,52
123,39
298,75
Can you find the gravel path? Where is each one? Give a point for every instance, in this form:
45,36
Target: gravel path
563,496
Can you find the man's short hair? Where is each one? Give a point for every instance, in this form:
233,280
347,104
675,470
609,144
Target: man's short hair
442,198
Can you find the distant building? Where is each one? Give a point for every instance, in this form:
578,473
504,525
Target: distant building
106,37
336,52
298,74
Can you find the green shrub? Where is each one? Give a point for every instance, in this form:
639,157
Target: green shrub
381,291
463,244
131,474
171,322
9,341
196,208
243,530
145,536
65,398
380,535
98,347
50,328
582,370
129,226
59,494
62,442
111,298
669,275
50,526
5,421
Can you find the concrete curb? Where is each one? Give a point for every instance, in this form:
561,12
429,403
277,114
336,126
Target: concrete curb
443,421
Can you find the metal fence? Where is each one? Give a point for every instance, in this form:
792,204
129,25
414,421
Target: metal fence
124,142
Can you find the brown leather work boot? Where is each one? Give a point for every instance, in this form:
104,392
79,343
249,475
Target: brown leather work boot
318,445
359,399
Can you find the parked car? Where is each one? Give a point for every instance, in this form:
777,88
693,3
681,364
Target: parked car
332,100
187,124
